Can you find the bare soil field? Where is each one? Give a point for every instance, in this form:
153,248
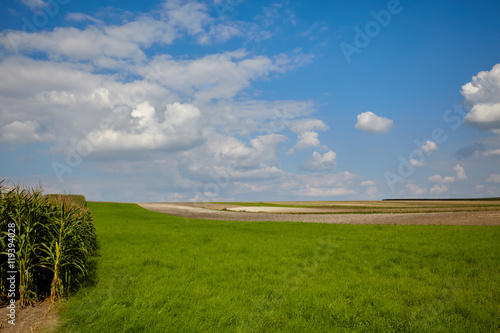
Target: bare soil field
368,212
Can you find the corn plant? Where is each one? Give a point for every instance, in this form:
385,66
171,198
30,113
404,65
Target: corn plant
68,247
55,237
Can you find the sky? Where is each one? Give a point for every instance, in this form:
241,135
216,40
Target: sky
232,100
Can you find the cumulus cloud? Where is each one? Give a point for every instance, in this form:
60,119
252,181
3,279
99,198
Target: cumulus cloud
461,175
416,163
218,76
34,4
191,16
324,185
19,132
178,130
371,189
307,139
371,123
429,146
184,119
307,135
483,96
372,192
441,179
460,172
326,192
493,178
491,153
318,162
438,189
267,172
304,125
414,189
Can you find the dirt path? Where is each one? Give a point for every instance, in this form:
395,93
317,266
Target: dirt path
188,210
39,318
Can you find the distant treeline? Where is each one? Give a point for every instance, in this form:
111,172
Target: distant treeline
454,199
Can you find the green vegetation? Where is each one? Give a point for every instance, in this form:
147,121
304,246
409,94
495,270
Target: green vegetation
47,239
76,199
159,273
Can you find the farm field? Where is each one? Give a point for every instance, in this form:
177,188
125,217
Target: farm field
430,212
369,207
161,273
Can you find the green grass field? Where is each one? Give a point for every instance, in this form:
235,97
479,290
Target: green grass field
158,273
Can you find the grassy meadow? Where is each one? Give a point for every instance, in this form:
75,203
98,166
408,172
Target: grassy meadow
159,273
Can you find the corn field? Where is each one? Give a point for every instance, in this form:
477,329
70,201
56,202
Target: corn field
54,238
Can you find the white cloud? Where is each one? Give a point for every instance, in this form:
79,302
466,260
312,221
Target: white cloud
437,189
415,189
493,178
304,125
483,95
319,185
417,163
371,123
372,192
179,130
284,62
80,17
429,146
461,175
317,162
34,4
368,183
260,173
180,118
308,139
479,188
460,172
19,132
326,180
191,16
440,179
491,153
218,76
326,192
307,135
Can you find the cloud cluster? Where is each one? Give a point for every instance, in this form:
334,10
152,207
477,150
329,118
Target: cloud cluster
493,178
371,123
307,130
483,96
318,162
460,175
113,94
179,129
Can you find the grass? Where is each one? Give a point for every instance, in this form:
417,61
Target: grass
159,273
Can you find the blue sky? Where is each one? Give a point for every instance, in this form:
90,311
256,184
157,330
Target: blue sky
251,100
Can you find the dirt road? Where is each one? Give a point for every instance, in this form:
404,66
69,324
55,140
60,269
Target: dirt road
195,211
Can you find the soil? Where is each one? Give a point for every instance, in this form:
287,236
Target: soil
316,215
41,317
